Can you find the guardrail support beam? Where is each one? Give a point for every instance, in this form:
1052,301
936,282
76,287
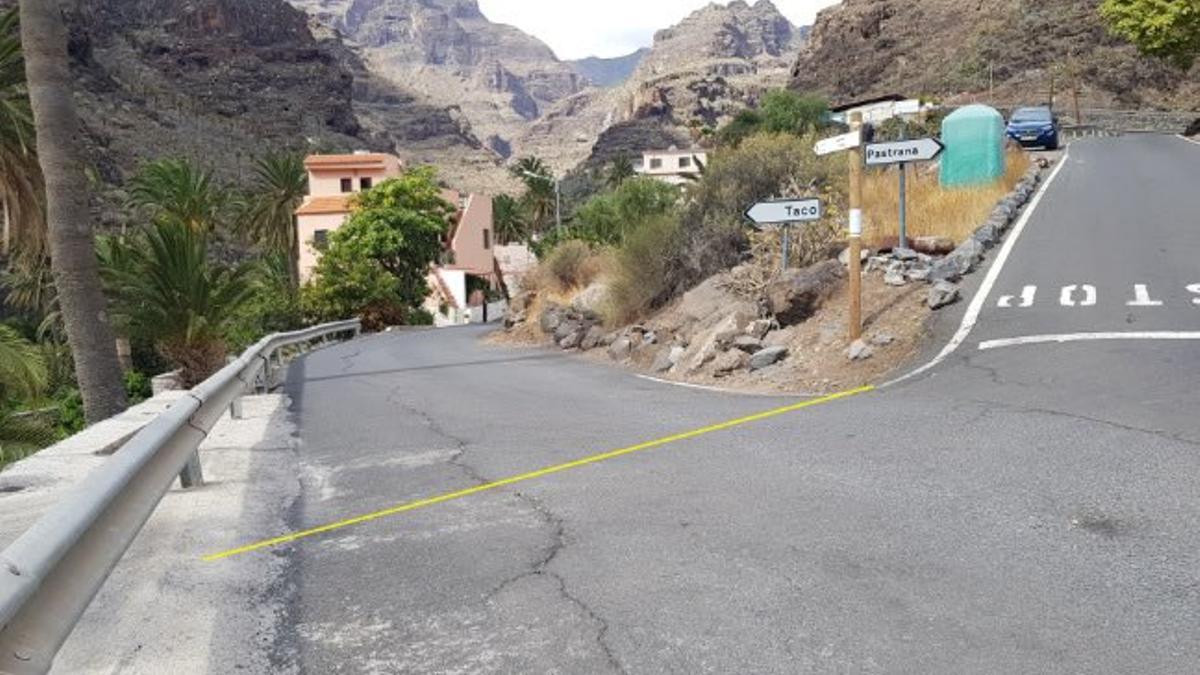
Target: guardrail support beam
192,476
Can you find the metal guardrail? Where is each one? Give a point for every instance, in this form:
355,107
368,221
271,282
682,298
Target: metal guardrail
50,574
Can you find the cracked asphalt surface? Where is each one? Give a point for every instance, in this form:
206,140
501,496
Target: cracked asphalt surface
1027,509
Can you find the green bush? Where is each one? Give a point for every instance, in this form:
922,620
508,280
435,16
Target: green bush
644,271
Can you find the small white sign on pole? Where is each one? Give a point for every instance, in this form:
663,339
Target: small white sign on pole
840,143
777,212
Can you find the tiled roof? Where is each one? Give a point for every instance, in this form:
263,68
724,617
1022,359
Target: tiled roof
325,205
368,160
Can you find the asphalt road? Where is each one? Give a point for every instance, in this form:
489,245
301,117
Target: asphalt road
1024,508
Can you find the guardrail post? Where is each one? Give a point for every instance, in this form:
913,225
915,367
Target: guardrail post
192,476
235,409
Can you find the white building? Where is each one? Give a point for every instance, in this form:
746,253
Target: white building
673,166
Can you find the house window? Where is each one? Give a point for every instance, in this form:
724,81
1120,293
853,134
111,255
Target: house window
685,162
487,239
656,163
347,185
321,240
365,184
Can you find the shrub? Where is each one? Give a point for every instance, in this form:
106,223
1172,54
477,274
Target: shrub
644,275
569,265
608,218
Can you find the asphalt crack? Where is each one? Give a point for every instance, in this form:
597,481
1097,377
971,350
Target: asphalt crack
1157,433
555,524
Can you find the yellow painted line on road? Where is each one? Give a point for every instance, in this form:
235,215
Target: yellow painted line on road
558,468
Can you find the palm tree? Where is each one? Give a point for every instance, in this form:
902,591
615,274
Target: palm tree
167,291
23,377
176,191
507,219
69,229
620,170
280,183
20,177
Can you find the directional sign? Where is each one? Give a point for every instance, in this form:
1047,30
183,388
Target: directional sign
785,211
919,150
839,143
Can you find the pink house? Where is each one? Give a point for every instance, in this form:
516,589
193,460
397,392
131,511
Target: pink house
333,182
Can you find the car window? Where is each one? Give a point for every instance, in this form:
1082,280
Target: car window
1031,116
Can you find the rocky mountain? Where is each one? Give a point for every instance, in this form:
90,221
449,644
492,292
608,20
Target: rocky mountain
451,56
697,75
1007,51
223,81
609,72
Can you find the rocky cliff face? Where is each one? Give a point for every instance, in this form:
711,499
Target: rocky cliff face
450,55
610,72
697,74
1006,50
222,81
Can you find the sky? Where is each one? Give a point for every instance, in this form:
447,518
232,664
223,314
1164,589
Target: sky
578,28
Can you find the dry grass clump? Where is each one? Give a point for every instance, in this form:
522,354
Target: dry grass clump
932,209
569,267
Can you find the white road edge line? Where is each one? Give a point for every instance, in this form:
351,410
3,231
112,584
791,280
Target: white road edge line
1088,337
719,390
1189,140
985,290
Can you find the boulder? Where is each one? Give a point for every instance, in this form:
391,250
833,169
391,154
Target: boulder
918,274
933,245
905,254
798,294
662,362
702,358
943,293
729,329
591,300
767,357
567,327
592,338
760,327
620,349
859,350
573,339
748,344
970,250
552,316
987,235
895,278
946,269
726,363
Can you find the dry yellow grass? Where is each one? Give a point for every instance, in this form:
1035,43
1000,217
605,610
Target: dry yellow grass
932,210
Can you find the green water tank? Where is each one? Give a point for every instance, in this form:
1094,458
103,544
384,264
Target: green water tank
974,139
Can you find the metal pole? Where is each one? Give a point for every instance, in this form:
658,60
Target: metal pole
558,205
787,244
904,192
192,476
856,228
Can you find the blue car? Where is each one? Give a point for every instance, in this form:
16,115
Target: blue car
1034,127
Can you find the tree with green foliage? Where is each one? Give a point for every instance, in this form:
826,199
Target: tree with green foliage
378,261
278,187
743,125
787,112
610,217
539,201
619,170
21,188
166,290
1168,29
177,191
23,377
508,219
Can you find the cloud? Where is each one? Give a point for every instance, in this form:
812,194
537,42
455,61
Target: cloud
579,28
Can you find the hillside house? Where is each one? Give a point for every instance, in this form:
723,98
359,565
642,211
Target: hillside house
673,166
334,180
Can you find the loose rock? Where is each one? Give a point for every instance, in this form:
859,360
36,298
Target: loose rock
859,351
748,344
620,349
726,363
895,279
943,293
767,357
760,327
